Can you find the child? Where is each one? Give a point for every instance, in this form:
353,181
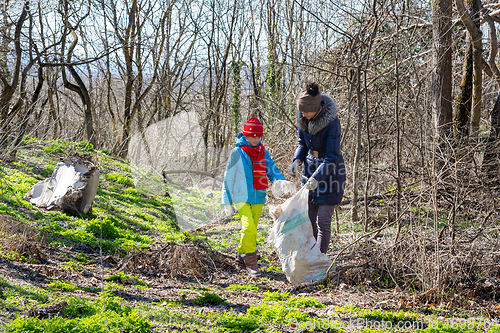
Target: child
245,184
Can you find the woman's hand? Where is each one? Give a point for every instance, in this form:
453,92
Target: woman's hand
294,167
311,184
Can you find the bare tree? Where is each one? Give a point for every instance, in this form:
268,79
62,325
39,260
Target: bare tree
130,29
80,88
442,79
9,87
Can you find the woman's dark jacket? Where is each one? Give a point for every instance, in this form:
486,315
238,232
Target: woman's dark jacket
321,136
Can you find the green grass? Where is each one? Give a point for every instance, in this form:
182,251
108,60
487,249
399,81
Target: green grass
273,296
86,316
126,219
208,299
120,276
377,314
73,266
21,297
272,268
304,302
233,322
248,287
120,178
62,286
14,256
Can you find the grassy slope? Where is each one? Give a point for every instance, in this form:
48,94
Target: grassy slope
130,220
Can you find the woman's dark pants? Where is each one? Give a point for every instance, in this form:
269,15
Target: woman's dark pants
321,220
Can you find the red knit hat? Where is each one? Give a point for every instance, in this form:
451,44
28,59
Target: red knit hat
253,127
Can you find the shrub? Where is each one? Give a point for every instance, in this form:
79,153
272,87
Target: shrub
52,150
28,141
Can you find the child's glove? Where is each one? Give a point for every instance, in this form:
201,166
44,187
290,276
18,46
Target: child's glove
294,167
311,184
228,210
281,187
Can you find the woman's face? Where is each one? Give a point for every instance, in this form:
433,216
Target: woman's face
309,115
253,140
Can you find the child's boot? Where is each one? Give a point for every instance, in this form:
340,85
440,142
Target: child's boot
250,260
239,263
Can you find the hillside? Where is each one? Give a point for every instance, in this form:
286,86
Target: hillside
126,267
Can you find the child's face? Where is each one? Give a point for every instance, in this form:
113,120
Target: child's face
253,140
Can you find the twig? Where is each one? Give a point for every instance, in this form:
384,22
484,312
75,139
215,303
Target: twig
368,234
316,283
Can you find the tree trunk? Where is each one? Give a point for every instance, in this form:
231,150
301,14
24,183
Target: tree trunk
478,71
29,112
10,88
355,176
464,98
491,157
441,77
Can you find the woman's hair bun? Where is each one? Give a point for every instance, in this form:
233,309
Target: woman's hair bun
312,88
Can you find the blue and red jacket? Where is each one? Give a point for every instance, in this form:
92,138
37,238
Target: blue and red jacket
238,178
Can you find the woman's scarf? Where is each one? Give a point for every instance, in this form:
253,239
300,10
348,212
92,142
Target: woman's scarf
258,158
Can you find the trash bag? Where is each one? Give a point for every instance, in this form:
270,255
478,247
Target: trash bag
73,186
283,187
293,240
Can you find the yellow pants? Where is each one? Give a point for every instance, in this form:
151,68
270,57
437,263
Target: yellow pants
249,215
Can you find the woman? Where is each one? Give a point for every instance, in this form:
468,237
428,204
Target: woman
319,149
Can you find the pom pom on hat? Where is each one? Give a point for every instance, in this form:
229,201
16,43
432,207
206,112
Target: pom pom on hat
253,127
309,99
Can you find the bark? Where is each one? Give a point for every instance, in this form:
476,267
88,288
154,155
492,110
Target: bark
80,87
9,88
29,112
464,99
133,44
491,163
442,76
491,64
81,90
128,46
478,73
398,143
354,214
472,22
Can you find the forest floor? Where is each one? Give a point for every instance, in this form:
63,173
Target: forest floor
149,277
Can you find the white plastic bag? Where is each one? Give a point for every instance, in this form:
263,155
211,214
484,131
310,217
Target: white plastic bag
293,240
283,187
